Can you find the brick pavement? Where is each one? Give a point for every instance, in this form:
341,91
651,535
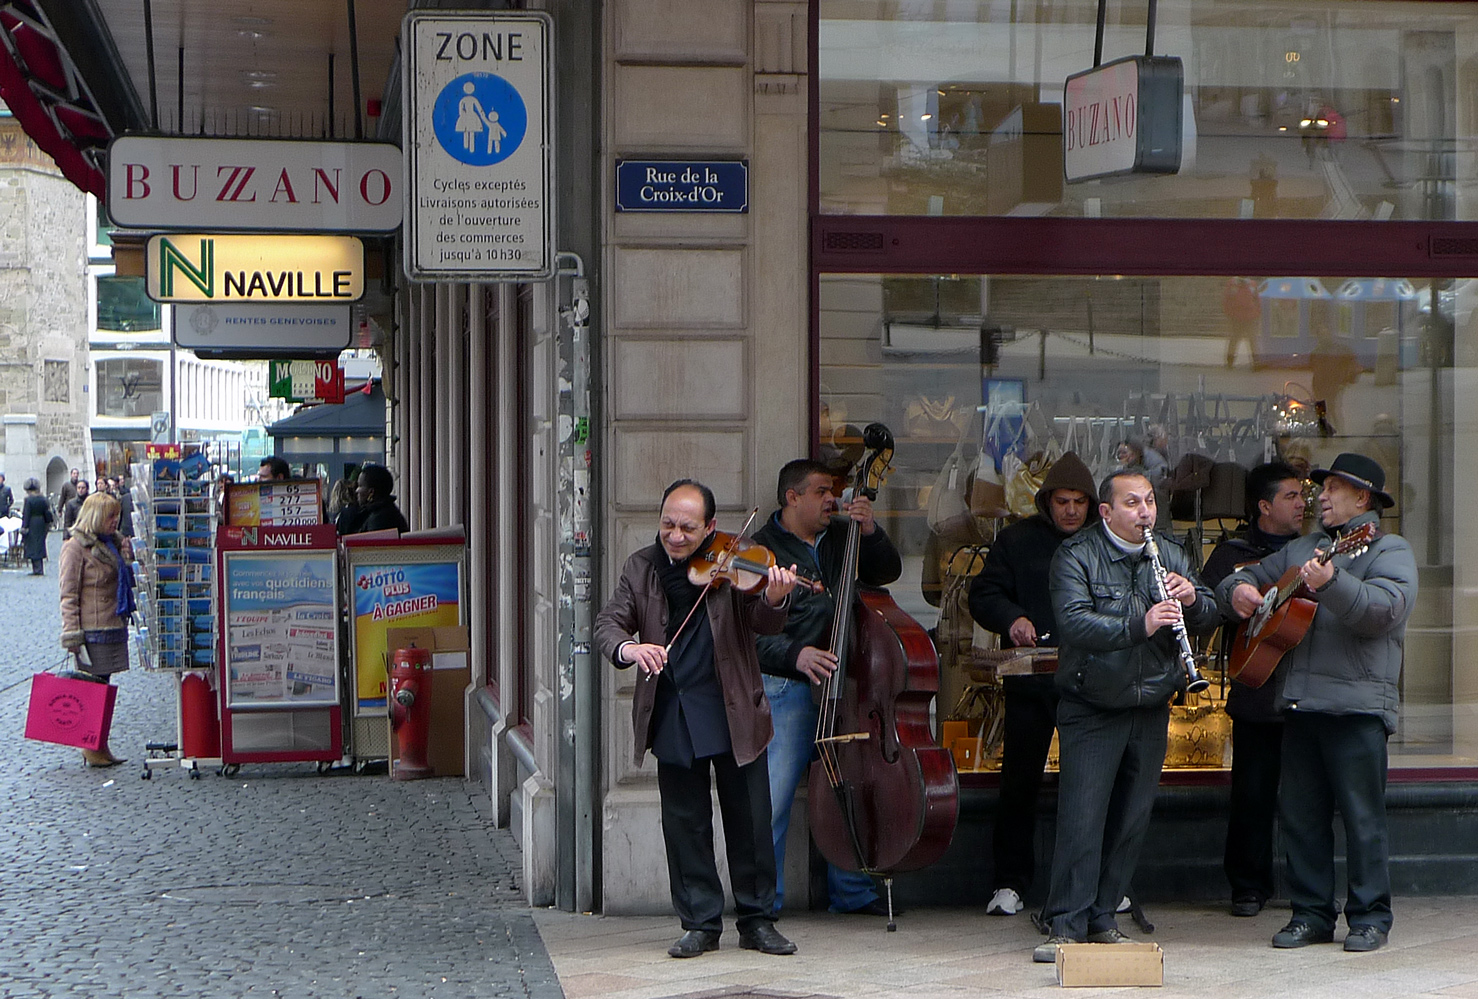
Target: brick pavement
277,882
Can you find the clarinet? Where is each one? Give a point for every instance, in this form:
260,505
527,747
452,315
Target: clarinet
1197,682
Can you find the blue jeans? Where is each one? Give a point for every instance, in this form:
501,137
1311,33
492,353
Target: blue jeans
791,751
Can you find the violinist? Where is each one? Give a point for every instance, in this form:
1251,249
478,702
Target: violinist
700,706
806,532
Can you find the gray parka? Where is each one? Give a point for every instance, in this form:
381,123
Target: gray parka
1100,595
1350,661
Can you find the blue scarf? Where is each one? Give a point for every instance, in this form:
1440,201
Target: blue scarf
125,604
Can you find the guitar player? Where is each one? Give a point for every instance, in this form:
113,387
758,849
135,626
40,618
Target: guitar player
1339,697
1275,516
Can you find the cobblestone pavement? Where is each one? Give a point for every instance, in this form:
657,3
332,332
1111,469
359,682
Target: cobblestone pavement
277,882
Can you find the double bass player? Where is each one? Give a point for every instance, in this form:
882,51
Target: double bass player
803,531
700,707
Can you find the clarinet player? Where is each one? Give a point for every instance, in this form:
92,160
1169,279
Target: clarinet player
1119,664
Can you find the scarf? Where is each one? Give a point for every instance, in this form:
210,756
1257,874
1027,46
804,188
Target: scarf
125,604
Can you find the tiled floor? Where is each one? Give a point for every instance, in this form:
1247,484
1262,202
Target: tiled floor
950,953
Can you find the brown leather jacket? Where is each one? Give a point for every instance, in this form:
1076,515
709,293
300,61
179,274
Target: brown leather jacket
89,587
637,611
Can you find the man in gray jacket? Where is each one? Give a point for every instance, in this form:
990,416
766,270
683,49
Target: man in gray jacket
1118,668
1339,696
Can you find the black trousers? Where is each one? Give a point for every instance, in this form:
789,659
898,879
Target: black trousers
1329,762
1257,756
687,829
1110,773
1031,718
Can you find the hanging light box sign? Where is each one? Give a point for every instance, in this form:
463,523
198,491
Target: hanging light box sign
205,267
1123,117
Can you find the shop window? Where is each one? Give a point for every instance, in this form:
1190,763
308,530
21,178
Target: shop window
128,387
984,379
1329,109
124,307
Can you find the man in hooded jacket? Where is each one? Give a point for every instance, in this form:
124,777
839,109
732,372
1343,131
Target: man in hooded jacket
1010,597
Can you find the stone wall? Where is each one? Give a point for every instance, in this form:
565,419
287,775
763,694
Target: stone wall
43,311
706,366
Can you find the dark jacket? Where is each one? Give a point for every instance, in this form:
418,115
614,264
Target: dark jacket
1013,582
381,515
7,500
1349,663
36,518
1100,595
811,614
637,611
1244,703
70,512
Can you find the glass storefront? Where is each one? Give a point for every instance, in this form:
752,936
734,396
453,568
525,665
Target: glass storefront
937,113
128,387
1329,109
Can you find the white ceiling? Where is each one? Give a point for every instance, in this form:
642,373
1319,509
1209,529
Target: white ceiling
257,67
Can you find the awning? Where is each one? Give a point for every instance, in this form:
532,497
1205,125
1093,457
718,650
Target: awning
48,96
359,415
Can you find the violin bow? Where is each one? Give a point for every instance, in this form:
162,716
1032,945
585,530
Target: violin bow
728,552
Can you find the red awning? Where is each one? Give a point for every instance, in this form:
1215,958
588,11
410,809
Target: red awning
40,83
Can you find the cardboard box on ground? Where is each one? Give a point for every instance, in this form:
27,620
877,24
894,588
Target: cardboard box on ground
451,675
1090,964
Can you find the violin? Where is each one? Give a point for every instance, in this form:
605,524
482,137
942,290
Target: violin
741,562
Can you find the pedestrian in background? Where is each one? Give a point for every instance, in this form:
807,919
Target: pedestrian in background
377,509
7,498
97,599
72,508
36,518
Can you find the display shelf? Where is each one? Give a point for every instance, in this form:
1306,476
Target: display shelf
175,519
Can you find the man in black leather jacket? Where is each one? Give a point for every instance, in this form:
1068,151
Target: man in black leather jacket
1118,668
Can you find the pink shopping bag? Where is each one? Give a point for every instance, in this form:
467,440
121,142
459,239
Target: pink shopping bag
70,712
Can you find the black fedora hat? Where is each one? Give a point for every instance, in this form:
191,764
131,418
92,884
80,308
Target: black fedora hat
1360,471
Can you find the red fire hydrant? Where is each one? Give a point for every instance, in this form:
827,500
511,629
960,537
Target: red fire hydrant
410,712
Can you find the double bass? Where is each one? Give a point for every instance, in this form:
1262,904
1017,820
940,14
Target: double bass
884,796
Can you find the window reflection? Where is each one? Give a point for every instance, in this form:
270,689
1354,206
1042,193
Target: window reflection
985,378
1333,110
124,306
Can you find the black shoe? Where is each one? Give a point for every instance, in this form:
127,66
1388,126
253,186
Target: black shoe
694,942
1300,934
764,938
1364,938
1249,905
1046,952
877,907
1108,936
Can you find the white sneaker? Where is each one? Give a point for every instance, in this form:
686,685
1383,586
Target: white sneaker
1005,902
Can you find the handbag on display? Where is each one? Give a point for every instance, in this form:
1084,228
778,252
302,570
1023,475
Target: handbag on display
70,708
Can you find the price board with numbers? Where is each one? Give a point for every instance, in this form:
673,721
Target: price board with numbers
288,503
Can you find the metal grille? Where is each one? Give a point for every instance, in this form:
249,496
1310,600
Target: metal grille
852,242
1453,246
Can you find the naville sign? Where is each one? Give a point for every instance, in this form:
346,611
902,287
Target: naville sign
195,267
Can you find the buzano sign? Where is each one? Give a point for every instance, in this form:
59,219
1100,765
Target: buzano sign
254,184
1123,117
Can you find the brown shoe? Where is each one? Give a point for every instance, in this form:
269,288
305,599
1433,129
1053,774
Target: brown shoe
100,758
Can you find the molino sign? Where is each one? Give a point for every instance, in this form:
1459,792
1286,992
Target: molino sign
191,267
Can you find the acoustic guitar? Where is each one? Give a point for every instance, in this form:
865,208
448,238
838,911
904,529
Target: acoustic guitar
1283,619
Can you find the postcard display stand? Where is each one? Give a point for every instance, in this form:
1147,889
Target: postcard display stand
174,522
279,645
410,581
